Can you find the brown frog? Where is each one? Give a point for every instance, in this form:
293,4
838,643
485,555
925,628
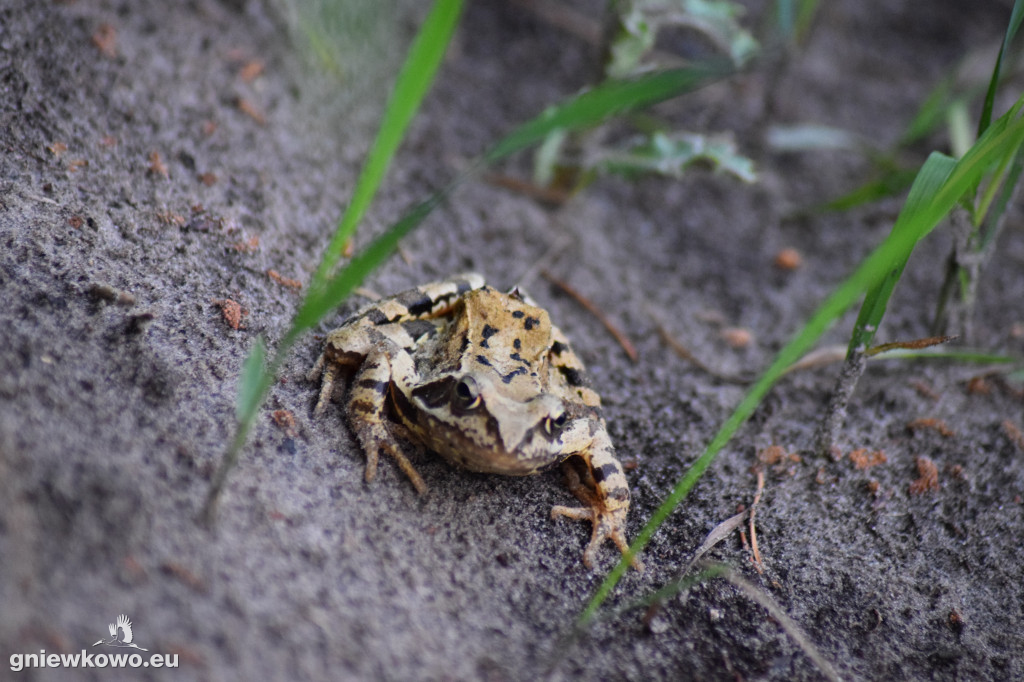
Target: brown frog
484,379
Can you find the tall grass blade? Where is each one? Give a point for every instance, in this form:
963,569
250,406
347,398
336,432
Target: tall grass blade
1016,16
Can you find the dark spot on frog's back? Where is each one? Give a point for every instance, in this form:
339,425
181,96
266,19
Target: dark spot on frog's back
363,406
487,332
531,322
506,378
416,302
482,359
518,314
557,348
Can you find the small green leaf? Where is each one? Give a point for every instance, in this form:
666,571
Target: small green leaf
640,21
546,158
250,391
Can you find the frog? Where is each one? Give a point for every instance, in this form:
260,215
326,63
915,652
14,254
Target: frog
484,379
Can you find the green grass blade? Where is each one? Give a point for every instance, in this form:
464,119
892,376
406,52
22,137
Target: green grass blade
1016,16
893,181
933,174
412,84
1009,187
611,98
1005,136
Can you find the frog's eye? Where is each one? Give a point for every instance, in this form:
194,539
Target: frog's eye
552,425
466,394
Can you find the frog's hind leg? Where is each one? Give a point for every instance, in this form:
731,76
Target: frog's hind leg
366,405
601,486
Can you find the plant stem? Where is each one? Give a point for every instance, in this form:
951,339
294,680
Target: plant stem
835,411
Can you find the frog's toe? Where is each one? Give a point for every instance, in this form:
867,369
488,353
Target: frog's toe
607,526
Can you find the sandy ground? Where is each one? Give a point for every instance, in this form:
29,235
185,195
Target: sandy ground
144,181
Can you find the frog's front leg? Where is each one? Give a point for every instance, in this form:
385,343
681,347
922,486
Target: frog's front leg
378,360
366,402
601,485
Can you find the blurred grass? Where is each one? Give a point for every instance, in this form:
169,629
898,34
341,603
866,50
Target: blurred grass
348,40
793,18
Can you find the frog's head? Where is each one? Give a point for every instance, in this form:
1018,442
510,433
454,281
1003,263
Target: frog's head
475,421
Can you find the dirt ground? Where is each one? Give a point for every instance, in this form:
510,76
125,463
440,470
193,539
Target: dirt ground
148,177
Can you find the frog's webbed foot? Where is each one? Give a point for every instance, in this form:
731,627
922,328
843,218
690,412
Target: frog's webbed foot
608,516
